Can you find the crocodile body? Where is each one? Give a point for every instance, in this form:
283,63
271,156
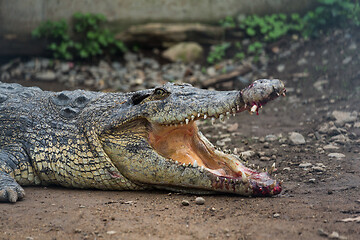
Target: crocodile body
124,141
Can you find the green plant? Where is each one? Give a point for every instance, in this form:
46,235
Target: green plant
217,52
330,14
88,38
228,22
270,27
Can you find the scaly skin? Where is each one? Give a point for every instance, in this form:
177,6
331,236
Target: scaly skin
115,141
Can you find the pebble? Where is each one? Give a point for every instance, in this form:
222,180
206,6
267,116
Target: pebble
305,165
330,147
185,202
336,155
280,68
347,60
247,154
301,61
319,84
111,232
296,138
45,76
276,215
200,201
342,117
312,180
271,138
318,169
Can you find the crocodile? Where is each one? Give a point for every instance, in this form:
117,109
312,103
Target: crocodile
148,139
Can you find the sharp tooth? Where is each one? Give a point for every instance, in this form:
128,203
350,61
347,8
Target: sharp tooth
221,117
253,109
278,94
284,94
189,165
226,180
228,115
212,120
184,165
192,117
244,178
198,115
176,162
205,116
195,164
217,179
238,107
271,170
186,121
202,169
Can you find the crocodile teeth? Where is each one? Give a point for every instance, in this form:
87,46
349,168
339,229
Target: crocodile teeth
253,108
271,170
176,162
244,178
195,164
205,116
283,94
198,115
221,117
213,120
228,115
192,117
238,107
186,121
201,169
217,179
184,165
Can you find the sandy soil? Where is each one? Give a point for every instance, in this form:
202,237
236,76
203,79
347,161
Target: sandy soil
311,206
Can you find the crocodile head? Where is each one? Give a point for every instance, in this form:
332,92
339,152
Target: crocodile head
158,144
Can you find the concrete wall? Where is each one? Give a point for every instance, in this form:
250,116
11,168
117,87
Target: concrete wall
19,17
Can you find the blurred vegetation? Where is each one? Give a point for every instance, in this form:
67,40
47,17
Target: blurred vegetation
85,40
262,30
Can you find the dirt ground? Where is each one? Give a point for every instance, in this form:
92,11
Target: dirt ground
318,191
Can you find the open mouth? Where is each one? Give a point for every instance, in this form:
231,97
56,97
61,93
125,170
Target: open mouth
183,144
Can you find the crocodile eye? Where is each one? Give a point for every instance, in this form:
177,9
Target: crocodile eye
159,91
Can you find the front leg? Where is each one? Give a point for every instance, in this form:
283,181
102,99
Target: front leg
10,163
10,190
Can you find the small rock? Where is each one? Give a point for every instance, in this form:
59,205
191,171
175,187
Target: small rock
319,84
185,202
344,117
200,201
271,138
352,46
211,71
312,180
296,138
265,159
280,68
318,169
347,60
333,131
29,238
336,155
286,168
247,154
46,76
130,57
334,235
111,232
186,52
330,147
305,165
341,139
276,215
301,62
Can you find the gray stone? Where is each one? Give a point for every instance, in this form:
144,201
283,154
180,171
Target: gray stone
200,201
336,155
130,57
46,76
330,147
186,52
296,138
301,62
185,202
247,154
271,138
347,60
319,84
341,139
344,117
305,165
280,68
211,71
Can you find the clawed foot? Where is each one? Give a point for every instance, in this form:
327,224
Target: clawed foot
10,191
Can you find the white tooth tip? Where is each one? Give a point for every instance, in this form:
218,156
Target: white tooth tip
212,120
192,117
205,116
198,115
195,164
253,109
244,178
187,121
